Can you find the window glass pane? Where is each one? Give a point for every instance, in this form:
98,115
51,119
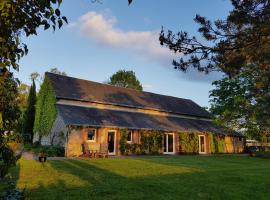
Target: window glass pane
91,134
170,143
129,136
165,143
202,143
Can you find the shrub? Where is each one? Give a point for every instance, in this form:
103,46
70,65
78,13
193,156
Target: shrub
151,142
217,143
123,140
128,149
136,149
10,191
189,142
262,154
50,151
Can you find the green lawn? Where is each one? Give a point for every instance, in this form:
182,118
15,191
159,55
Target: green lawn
148,177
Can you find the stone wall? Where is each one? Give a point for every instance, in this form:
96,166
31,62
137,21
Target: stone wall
57,136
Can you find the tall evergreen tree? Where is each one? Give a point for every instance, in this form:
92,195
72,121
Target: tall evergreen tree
29,115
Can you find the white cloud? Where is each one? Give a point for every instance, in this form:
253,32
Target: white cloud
103,30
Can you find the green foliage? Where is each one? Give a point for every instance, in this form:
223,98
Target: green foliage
126,79
189,142
234,105
123,140
57,71
7,156
229,44
151,142
29,115
217,143
48,150
23,18
239,47
136,149
9,102
23,90
45,109
10,191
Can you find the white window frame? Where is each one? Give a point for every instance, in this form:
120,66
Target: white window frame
166,145
114,150
204,139
95,135
131,136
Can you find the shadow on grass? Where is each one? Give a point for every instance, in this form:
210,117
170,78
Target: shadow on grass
104,181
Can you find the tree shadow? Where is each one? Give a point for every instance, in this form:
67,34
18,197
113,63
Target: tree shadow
105,181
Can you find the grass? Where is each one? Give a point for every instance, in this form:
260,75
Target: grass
148,177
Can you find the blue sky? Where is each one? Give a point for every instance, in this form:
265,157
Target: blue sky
103,38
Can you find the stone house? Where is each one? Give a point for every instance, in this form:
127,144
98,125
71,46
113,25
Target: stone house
93,112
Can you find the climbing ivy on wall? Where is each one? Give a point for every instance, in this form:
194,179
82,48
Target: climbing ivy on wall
123,140
217,143
45,109
151,142
189,142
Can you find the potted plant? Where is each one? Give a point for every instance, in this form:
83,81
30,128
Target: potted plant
42,156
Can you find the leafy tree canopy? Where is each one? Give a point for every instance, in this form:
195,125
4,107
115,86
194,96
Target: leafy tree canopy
23,91
19,18
237,102
238,46
231,42
57,71
9,104
126,79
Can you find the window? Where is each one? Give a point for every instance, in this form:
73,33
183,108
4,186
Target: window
240,139
129,136
91,136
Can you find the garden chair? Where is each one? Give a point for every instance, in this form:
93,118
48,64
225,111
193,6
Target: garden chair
94,149
103,153
86,151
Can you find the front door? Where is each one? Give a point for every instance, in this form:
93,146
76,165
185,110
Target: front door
111,142
168,143
202,144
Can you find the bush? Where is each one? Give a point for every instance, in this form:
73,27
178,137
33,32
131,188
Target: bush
50,151
217,143
128,149
262,154
123,141
136,149
36,144
189,142
151,142
55,151
10,191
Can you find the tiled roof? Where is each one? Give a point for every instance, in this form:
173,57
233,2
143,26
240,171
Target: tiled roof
84,116
77,89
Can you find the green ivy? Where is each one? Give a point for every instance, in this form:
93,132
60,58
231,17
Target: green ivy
123,141
217,143
189,142
45,109
151,142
